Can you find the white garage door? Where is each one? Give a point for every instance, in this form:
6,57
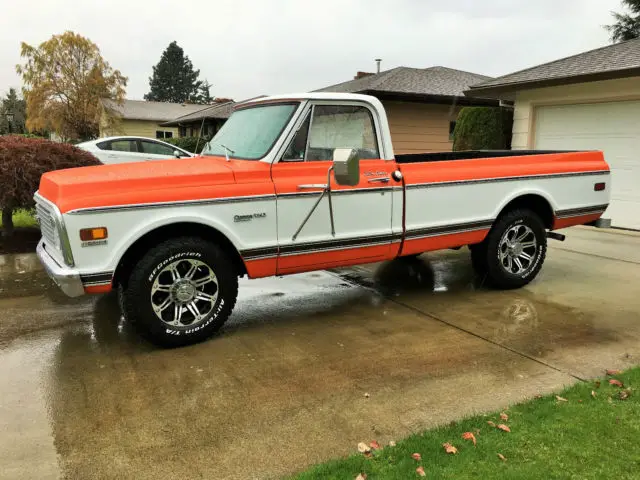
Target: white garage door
611,127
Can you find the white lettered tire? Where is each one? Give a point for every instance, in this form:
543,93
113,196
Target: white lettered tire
181,292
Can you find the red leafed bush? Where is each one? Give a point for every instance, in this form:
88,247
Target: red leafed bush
22,163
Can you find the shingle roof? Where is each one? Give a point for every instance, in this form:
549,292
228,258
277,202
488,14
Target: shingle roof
433,81
156,111
221,110
601,61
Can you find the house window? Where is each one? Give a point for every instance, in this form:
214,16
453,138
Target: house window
452,128
182,131
162,134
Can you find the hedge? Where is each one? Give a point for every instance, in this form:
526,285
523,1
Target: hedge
483,128
23,160
189,143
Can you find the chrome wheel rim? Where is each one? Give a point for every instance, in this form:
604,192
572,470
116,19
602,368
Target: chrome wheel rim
184,293
518,249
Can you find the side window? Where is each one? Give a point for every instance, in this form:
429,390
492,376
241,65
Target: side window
296,150
341,126
123,146
154,148
104,145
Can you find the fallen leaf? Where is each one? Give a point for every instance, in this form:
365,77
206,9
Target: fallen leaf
416,456
362,476
368,454
504,428
420,471
366,395
469,436
502,457
579,401
611,373
624,394
593,393
392,443
616,383
538,396
597,384
491,424
477,431
363,448
375,445
449,448
504,416
561,399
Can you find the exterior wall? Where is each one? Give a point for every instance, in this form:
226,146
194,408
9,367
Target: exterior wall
420,127
593,92
142,128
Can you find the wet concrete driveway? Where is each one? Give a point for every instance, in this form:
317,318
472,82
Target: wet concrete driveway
284,384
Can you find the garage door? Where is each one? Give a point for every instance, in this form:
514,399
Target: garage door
611,127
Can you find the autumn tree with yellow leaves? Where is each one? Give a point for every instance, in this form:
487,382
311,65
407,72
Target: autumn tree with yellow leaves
64,79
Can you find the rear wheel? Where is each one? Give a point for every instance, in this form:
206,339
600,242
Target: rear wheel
513,252
181,292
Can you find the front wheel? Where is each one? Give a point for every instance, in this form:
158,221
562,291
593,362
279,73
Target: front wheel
181,292
514,250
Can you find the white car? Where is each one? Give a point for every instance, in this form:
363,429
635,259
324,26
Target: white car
132,149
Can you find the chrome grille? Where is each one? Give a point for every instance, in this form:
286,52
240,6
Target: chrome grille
47,224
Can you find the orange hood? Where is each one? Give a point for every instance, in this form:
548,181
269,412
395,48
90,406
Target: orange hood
136,183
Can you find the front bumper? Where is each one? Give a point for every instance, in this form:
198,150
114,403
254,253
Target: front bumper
66,278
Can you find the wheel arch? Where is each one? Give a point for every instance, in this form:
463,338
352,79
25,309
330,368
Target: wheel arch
166,231
537,201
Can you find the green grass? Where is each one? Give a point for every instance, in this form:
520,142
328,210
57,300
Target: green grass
582,438
23,218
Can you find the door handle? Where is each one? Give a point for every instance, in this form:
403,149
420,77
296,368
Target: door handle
380,180
313,186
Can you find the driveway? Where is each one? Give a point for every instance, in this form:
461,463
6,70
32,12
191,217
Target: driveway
307,367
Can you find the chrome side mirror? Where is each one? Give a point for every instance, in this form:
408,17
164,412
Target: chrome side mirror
346,166
176,153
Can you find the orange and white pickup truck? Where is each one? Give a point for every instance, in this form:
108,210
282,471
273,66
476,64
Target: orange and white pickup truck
296,183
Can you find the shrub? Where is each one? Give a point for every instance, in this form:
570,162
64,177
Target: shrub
189,143
23,161
483,128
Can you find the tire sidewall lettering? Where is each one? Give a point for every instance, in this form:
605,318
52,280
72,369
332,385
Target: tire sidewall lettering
172,258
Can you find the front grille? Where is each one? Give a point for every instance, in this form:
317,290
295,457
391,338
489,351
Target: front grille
47,224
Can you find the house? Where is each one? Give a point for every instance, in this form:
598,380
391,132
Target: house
141,118
422,104
206,120
589,101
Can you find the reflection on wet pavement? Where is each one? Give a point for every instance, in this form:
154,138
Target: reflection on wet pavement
283,384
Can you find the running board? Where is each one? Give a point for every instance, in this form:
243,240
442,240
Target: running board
556,236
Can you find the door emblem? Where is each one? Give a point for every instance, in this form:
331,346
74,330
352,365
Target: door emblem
374,174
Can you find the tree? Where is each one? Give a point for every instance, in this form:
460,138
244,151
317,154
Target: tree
14,107
65,78
175,80
627,26
22,163
204,94
483,128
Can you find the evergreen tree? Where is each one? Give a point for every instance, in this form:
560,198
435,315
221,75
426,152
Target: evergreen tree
15,107
627,26
174,79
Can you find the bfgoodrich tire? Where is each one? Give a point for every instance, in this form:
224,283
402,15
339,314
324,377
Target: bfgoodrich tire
515,249
180,292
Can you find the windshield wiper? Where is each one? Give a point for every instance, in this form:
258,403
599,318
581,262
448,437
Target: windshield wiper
226,151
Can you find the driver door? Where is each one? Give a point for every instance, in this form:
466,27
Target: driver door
361,214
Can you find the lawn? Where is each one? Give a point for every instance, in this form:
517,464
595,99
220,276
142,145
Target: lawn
591,430
23,218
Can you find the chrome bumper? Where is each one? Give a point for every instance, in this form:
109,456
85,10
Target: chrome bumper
66,278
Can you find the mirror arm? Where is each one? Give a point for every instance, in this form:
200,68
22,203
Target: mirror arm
327,190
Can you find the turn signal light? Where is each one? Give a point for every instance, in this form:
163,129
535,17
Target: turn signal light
88,234
599,187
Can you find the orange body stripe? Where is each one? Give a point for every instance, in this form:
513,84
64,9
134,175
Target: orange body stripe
559,223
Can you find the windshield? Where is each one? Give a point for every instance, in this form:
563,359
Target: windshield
250,133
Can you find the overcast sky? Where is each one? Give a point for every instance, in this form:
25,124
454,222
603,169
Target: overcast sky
252,47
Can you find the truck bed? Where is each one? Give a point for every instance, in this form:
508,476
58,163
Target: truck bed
470,155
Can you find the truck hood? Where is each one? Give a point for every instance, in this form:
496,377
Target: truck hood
136,183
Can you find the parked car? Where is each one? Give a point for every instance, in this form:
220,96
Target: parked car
132,149
297,183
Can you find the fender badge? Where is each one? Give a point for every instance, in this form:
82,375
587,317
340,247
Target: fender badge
247,218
